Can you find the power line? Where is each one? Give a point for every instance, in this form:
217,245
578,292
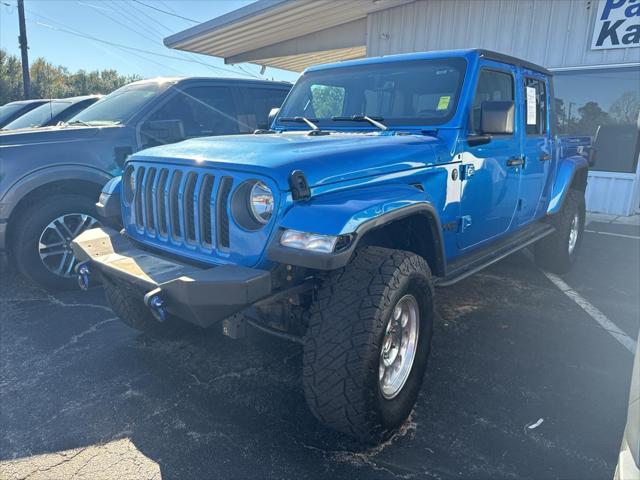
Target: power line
161,35
104,13
119,45
166,12
131,19
194,59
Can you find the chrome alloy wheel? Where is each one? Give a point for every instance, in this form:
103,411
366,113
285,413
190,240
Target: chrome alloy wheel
574,232
54,245
399,346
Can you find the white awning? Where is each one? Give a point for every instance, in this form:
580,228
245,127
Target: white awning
285,33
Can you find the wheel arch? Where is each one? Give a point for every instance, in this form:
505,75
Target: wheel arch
420,220
415,229
572,173
30,191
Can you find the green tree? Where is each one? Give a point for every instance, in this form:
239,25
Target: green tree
626,108
327,100
591,117
50,81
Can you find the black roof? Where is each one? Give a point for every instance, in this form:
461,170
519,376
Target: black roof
501,57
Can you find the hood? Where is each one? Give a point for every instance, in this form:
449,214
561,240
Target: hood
324,159
46,135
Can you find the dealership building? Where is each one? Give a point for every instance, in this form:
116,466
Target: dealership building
592,46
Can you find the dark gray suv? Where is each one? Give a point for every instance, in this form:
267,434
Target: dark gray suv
50,178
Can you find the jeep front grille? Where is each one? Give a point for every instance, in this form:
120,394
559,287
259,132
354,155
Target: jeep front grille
187,207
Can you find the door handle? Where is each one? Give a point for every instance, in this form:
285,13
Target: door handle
515,161
545,156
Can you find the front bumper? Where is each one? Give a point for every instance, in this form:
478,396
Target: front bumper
203,296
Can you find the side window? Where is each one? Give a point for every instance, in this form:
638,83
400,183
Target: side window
327,101
493,85
255,105
196,112
535,94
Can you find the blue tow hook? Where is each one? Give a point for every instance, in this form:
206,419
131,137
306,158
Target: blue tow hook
156,304
83,277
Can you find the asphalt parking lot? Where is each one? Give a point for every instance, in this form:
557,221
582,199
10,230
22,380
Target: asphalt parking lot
84,396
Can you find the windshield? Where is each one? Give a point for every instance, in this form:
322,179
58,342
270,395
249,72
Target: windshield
38,116
414,92
119,106
7,111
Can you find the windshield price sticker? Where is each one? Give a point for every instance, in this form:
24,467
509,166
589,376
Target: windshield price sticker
443,103
531,106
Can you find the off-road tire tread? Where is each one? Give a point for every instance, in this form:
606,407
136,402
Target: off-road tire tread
130,308
342,337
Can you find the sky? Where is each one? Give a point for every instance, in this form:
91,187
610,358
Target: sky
129,23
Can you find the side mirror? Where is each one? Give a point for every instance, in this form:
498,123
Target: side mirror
161,132
273,113
496,118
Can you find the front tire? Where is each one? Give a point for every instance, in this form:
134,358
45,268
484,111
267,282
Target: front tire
354,341
558,251
41,243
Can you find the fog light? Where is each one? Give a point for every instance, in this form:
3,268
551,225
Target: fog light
308,241
83,276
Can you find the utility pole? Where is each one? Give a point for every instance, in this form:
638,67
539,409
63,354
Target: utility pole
26,81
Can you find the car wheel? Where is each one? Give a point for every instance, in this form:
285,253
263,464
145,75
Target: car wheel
367,344
42,239
558,251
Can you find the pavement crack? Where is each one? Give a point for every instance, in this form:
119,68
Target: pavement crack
369,456
61,303
251,371
48,468
74,339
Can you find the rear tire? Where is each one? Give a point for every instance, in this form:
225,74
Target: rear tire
558,251
131,309
36,224
349,329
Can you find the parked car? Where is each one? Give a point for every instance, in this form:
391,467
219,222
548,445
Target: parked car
628,467
52,176
380,179
52,112
12,110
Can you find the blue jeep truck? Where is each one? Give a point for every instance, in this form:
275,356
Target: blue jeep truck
379,180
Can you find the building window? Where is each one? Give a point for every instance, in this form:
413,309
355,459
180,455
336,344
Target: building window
605,105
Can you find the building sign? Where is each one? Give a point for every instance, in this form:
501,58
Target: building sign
617,24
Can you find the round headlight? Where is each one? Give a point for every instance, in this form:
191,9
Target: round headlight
261,202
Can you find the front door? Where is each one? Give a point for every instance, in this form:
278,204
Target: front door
489,185
536,147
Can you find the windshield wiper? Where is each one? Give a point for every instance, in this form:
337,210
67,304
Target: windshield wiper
363,118
81,122
312,125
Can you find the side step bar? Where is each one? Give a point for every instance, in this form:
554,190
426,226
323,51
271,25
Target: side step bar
474,262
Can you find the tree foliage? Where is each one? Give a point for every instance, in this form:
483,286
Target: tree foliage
49,81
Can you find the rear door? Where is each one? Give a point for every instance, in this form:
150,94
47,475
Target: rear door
537,147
